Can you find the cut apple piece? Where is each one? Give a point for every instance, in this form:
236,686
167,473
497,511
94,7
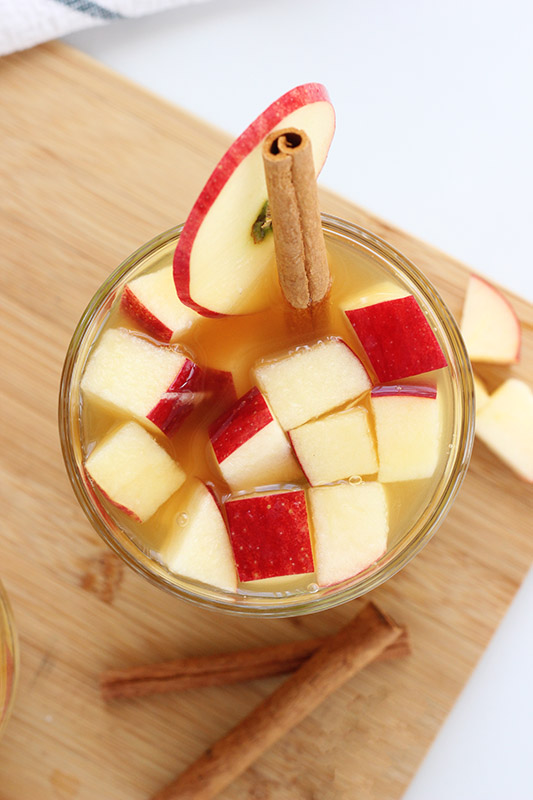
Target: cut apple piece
376,293
134,472
152,302
505,425
490,327
350,525
198,546
218,267
269,535
397,338
311,381
408,431
480,392
250,447
156,384
335,447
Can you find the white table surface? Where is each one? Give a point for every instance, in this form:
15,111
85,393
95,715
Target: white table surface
434,133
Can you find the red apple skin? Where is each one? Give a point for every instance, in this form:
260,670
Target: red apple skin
405,390
182,396
242,147
221,385
243,420
270,535
137,311
397,339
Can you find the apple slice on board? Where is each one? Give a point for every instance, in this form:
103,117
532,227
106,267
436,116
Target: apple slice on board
218,266
408,431
151,301
336,447
250,447
350,524
505,425
155,383
490,327
269,535
198,545
133,471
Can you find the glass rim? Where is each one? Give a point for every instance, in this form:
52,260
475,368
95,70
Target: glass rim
327,597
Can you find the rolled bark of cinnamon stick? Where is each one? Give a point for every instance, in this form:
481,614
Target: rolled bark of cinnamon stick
344,654
293,200
221,669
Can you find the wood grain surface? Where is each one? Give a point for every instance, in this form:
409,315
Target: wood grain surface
91,167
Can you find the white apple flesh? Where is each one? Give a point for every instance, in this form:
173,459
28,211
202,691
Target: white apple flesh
198,545
152,302
218,267
490,327
133,471
337,447
408,431
505,425
350,524
311,381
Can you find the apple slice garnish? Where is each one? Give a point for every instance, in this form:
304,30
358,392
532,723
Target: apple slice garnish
490,327
350,524
198,545
408,431
269,535
505,424
134,472
224,257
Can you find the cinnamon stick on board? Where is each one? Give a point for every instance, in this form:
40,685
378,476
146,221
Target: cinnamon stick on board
222,668
293,200
344,654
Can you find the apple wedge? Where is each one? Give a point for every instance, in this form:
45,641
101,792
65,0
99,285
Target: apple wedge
490,327
198,545
221,265
133,471
269,535
152,302
408,431
312,380
397,338
480,392
350,525
156,384
250,447
336,447
505,425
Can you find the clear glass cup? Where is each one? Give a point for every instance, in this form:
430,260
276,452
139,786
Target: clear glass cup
8,660
460,407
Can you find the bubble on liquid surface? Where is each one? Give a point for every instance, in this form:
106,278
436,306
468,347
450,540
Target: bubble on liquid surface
355,480
312,588
182,519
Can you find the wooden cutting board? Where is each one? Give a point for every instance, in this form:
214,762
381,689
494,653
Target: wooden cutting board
90,167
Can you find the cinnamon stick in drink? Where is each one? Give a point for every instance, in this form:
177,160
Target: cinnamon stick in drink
293,201
222,668
341,657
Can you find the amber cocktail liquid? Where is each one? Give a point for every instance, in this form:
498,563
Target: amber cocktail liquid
306,469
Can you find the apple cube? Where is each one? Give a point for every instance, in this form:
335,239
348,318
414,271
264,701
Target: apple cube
480,392
490,327
505,425
408,431
156,384
133,471
269,535
311,381
152,302
250,448
350,524
198,546
397,338
376,293
335,447
218,266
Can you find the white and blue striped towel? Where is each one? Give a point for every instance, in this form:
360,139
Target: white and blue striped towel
24,23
